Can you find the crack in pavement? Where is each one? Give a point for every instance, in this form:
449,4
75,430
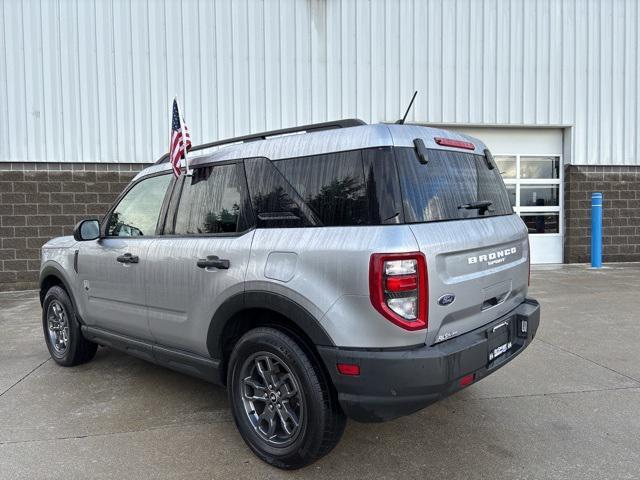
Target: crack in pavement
25,376
550,394
229,420
123,432
589,360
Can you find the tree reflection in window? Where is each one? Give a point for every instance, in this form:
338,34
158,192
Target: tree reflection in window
210,201
338,189
341,202
225,221
333,186
275,203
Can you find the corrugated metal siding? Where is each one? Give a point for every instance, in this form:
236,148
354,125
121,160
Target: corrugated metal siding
91,81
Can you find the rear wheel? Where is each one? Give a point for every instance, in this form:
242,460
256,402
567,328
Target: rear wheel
281,400
62,331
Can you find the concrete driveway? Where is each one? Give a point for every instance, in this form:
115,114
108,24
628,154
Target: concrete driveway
568,407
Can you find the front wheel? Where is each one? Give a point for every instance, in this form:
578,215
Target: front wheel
281,400
65,341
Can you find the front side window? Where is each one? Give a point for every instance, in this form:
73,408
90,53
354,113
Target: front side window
138,211
452,185
212,201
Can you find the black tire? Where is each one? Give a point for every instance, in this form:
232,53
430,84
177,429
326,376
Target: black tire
77,349
321,422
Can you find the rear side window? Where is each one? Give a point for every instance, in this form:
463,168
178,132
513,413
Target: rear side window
333,186
383,187
212,201
358,187
450,186
275,203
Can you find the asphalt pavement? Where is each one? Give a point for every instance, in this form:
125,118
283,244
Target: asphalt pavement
567,407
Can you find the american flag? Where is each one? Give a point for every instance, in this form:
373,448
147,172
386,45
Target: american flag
178,140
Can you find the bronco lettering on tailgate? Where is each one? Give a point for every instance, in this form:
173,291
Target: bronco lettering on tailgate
492,258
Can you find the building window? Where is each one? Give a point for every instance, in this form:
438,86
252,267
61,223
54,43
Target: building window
534,186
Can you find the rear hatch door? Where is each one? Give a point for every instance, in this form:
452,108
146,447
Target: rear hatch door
476,247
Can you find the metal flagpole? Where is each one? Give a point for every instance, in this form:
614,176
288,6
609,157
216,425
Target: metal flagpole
184,142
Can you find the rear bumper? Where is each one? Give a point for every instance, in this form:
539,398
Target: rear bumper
393,383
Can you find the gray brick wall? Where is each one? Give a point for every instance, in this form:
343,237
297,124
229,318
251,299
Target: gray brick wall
40,201
621,212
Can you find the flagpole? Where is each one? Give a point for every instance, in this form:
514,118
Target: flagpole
184,143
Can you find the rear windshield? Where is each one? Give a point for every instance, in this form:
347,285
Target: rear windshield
451,186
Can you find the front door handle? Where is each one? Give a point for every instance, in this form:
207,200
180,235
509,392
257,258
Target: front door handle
213,261
128,258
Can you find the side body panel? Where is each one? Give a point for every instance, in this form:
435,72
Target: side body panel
112,294
57,259
182,298
326,271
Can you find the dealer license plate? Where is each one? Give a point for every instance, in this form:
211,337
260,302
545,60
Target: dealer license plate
496,352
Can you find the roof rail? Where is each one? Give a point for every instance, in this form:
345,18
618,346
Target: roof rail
314,127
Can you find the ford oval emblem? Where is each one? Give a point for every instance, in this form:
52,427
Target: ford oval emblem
446,299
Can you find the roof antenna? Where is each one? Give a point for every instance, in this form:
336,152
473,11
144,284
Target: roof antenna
401,121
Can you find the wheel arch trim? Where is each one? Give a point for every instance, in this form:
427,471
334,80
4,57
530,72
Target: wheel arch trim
51,270
264,300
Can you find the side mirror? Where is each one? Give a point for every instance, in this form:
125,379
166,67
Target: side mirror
87,230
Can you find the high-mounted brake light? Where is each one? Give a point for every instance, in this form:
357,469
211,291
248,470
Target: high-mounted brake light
398,288
450,142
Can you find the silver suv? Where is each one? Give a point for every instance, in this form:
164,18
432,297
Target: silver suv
329,271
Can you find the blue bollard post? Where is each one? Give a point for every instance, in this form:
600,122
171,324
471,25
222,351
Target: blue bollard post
596,230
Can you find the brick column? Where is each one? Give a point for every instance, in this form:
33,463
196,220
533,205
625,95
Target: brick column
620,186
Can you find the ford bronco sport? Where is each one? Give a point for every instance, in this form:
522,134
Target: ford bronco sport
329,271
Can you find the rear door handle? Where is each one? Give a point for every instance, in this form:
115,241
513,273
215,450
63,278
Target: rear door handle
213,261
128,258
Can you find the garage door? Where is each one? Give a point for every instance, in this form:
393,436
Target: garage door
530,161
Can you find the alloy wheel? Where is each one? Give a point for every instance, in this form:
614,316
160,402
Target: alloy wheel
272,398
58,327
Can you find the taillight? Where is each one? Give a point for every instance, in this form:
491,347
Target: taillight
398,288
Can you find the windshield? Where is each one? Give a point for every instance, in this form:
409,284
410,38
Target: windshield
451,186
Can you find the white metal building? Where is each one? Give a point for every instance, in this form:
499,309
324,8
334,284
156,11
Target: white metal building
546,83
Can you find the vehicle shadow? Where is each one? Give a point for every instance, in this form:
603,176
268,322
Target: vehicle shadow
445,434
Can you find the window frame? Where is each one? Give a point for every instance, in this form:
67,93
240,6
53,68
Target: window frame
518,182
173,204
163,207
